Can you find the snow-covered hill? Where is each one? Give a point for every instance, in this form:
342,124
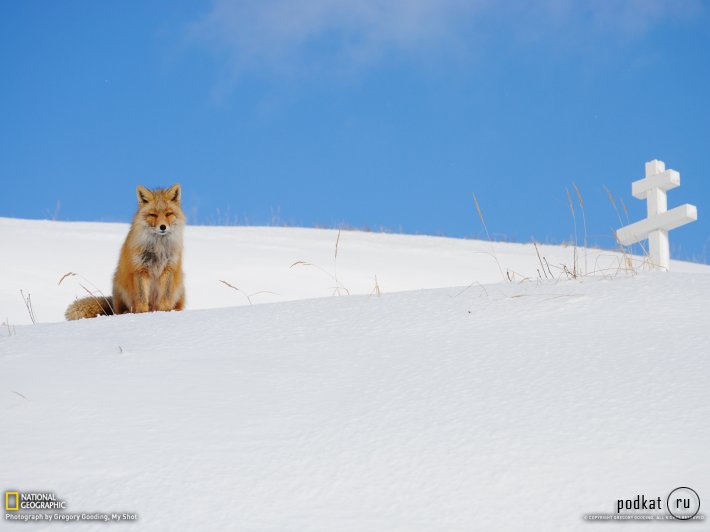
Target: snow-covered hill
501,406
258,261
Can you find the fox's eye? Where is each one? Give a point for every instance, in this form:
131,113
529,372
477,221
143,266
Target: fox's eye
152,216
168,214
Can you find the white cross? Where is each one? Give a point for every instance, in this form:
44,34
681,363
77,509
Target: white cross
659,219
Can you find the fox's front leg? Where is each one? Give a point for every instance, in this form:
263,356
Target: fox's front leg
142,295
166,289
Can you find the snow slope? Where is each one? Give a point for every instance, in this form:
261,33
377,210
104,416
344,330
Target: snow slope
36,254
508,406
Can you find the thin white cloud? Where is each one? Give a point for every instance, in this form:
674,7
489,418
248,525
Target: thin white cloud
629,18
281,35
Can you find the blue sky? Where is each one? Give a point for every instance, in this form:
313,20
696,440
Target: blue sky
362,113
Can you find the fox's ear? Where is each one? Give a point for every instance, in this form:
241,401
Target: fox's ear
174,193
144,195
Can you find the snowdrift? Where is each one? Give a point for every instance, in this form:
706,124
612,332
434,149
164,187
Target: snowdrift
486,406
259,262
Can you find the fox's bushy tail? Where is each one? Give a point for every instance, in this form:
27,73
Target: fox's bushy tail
89,307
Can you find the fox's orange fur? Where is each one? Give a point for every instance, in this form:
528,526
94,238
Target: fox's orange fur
149,273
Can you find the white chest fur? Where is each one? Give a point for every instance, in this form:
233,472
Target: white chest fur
157,252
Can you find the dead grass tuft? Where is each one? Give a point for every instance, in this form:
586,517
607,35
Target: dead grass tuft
28,305
97,290
245,294
338,289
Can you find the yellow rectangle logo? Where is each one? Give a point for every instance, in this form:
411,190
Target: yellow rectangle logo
16,506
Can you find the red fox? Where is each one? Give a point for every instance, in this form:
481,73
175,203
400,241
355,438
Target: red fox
149,273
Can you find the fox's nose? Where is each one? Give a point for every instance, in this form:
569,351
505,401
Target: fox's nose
162,227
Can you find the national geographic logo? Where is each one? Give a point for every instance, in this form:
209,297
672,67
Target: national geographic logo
32,500
35,506
12,501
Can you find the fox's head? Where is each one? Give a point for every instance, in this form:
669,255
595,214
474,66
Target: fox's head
159,210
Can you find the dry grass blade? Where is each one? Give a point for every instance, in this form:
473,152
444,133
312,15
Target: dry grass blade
480,215
626,212
626,215
613,204
485,227
107,300
540,259
627,258
339,287
474,283
579,194
248,296
10,328
574,221
68,274
376,289
265,292
584,222
304,263
229,285
335,267
101,294
523,278
28,305
237,289
548,267
558,296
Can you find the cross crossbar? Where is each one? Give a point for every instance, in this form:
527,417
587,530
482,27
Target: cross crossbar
668,220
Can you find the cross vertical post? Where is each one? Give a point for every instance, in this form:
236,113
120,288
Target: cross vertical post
656,203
